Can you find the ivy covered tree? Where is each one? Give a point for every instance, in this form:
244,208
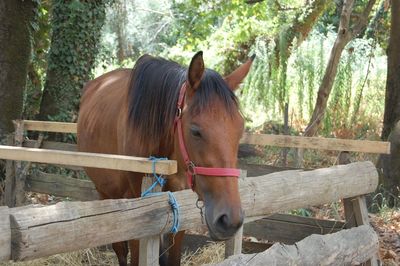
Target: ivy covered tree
75,43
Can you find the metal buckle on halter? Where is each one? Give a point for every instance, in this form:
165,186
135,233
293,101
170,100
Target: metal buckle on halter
178,112
191,168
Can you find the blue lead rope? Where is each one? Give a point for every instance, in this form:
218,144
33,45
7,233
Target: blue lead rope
159,180
175,210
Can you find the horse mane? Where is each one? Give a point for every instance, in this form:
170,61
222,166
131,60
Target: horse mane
153,94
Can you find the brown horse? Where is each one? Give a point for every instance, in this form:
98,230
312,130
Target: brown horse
134,112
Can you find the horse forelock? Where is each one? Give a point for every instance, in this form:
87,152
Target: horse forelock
153,94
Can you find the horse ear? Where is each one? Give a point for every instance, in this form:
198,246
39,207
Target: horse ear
236,77
196,71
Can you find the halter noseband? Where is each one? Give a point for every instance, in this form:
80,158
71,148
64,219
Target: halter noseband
191,169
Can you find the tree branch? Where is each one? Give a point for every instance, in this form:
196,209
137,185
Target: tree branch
362,20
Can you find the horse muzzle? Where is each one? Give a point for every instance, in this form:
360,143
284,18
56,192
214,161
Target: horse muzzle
223,223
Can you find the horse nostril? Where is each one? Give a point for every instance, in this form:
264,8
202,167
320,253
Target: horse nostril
223,223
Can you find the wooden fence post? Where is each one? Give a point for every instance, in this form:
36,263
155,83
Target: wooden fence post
355,209
10,178
19,175
149,247
233,246
15,182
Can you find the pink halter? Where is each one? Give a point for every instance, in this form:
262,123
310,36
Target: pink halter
191,169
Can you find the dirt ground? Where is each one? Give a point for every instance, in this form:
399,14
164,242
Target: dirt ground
388,230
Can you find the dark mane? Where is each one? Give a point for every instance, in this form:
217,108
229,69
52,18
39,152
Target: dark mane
153,95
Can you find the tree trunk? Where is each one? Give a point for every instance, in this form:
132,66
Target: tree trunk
76,27
16,17
391,124
345,34
392,99
121,22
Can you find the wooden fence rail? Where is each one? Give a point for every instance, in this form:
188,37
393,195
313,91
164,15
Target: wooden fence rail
318,143
43,231
85,159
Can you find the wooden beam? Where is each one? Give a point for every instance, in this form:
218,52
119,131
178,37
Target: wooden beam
85,159
289,229
233,246
51,145
61,127
318,143
36,231
347,247
5,234
149,247
61,186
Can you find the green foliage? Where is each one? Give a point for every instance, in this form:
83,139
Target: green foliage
356,102
38,65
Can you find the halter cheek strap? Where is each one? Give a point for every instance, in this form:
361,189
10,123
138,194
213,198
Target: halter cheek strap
191,169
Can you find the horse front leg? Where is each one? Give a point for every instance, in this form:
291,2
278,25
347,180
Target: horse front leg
134,248
171,249
121,250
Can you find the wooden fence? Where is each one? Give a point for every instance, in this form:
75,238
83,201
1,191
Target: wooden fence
84,190
34,231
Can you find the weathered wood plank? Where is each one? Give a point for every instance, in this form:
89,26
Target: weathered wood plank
318,143
19,192
233,246
262,169
347,247
51,145
149,247
149,251
61,127
61,186
85,159
290,229
36,231
357,213
5,234
306,188
257,139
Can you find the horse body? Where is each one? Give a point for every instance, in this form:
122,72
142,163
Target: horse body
132,112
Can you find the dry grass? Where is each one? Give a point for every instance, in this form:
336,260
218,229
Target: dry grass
211,253
92,256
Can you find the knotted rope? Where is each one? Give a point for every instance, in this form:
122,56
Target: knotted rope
160,180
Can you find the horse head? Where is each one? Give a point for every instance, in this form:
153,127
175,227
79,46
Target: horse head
207,143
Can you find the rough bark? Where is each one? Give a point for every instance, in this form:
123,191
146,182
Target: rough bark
16,17
391,124
121,21
392,99
346,33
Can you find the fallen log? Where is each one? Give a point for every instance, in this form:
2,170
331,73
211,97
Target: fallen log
347,247
67,226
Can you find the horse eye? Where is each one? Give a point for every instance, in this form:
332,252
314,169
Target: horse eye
195,131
